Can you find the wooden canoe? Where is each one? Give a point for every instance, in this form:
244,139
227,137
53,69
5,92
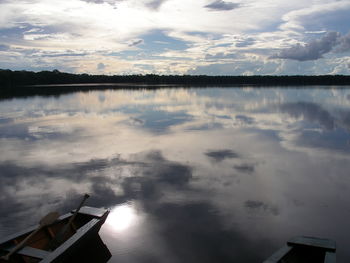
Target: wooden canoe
83,229
305,250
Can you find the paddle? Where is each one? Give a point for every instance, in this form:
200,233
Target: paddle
45,221
59,238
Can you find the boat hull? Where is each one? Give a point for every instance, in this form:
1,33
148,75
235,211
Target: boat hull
84,229
305,249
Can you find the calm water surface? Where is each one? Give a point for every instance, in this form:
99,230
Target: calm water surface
191,175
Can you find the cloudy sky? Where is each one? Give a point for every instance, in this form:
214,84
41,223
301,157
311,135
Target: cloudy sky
213,37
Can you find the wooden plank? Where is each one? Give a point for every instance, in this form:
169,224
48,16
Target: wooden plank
83,234
96,212
314,242
74,227
90,228
330,257
279,254
31,252
49,230
28,231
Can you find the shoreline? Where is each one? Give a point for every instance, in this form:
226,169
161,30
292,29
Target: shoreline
47,90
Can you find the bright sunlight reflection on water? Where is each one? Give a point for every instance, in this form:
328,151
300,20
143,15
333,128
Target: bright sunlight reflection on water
122,217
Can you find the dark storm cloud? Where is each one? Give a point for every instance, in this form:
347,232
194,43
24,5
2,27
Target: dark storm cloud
112,2
335,134
156,176
245,119
197,234
164,171
344,44
151,165
9,206
345,117
220,5
7,203
136,121
135,42
94,1
336,140
103,195
246,42
12,174
245,168
221,155
155,4
259,206
152,175
311,112
310,51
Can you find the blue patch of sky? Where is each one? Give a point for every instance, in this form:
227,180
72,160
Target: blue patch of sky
157,41
142,54
271,27
264,134
248,95
320,96
224,45
175,58
333,140
333,21
144,66
212,36
14,131
160,121
154,43
153,119
14,35
205,127
129,110
338,21
6,120
22,131
31,67
66,54
125,54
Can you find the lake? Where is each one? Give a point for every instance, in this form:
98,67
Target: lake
190,175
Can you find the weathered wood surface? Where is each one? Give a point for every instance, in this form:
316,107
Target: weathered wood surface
87,225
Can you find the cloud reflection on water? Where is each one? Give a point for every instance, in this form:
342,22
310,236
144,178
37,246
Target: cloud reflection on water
212,173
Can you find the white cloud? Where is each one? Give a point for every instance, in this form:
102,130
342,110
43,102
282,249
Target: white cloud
103,27
315,16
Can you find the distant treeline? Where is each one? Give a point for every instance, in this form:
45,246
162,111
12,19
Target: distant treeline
16,83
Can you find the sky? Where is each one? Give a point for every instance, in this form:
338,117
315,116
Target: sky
212,37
